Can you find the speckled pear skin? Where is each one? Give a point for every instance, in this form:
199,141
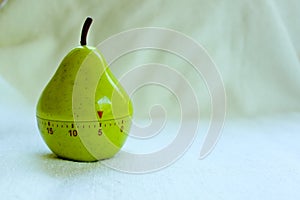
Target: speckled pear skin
84,114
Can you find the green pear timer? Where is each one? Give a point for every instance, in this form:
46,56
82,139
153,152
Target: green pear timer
84,114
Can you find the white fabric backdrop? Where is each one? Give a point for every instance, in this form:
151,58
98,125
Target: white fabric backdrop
256,46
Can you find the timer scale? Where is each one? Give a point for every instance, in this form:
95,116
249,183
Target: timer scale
57,133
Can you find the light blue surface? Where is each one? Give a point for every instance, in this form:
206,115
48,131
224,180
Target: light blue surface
254,159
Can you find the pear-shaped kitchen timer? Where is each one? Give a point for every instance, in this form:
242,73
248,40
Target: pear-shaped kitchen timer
84,114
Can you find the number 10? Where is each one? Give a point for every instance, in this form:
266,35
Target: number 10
73,133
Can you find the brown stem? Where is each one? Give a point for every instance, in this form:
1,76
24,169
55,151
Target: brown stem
85,30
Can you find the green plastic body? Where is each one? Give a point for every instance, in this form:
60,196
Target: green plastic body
84,114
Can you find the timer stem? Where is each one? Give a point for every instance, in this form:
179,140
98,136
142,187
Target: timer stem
85,30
